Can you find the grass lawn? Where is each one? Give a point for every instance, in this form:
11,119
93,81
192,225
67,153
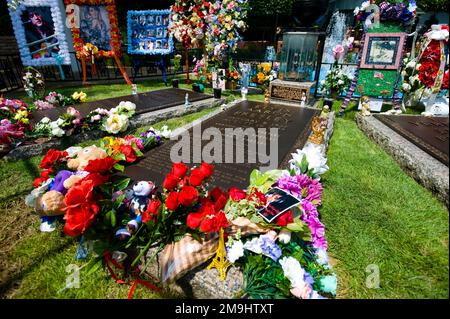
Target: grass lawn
373,212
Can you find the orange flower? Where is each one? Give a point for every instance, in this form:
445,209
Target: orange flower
261,77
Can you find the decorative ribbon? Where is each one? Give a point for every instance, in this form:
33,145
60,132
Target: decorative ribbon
59,60
352,87
439,76
82,250
110,261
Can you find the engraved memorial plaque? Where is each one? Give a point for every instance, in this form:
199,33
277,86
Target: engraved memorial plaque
293,126
145,102
297,92
428,133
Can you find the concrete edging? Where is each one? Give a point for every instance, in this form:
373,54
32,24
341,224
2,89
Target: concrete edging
424,168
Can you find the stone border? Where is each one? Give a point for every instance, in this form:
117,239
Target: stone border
29,150
424,168
205,284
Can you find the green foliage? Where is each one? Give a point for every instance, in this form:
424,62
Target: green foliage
433,5
263,181
271,7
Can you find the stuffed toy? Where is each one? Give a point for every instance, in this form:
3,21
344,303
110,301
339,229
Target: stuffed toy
81,160
140,199
48,200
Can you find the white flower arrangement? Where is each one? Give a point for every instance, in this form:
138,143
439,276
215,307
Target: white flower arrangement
316,160
115,123
19,31
335,80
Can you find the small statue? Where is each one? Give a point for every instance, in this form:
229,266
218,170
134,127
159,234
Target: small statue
186,100
365,106
303,99
318,130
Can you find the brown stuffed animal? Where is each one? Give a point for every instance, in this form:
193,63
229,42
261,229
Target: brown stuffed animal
50,204
80,162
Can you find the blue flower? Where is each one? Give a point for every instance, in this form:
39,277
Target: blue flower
328,284
270,249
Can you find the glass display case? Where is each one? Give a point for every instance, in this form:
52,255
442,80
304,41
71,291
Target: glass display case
299,56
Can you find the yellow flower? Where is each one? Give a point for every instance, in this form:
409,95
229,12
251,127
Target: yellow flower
266,67
261,77
81,96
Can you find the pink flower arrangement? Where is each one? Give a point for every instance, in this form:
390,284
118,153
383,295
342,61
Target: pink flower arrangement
9,131
43,105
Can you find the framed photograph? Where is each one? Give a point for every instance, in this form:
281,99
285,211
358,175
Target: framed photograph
152,29
98,25
39,30
383,50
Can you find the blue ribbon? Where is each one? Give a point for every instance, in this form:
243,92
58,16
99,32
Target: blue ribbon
59,60
82,250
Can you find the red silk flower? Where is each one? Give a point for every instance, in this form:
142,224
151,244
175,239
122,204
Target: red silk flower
179,170
188,195
236,194
152,211
81,209
285,219
51,158
128,151
170,182
172,201
101,166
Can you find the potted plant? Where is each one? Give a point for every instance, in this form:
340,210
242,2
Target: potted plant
232,77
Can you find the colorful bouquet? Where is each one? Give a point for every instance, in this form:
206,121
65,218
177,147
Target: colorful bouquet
77,184
264,75
397,11
225,22
427,73
113,121
232,75
188,21
15,120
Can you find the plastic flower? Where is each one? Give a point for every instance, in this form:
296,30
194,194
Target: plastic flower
264,245
328,284
235,252
79,96
316,160
338,51
116,123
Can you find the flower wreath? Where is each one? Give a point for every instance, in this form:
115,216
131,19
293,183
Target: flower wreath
78,42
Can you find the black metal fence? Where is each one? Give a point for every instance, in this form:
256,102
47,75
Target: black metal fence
11,69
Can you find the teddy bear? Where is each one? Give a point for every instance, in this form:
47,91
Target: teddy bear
140,198
83,156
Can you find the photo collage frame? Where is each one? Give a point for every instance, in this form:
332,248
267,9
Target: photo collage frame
148,32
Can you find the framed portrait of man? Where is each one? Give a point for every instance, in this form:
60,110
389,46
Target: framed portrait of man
383,51
39,30
154,27
98,26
